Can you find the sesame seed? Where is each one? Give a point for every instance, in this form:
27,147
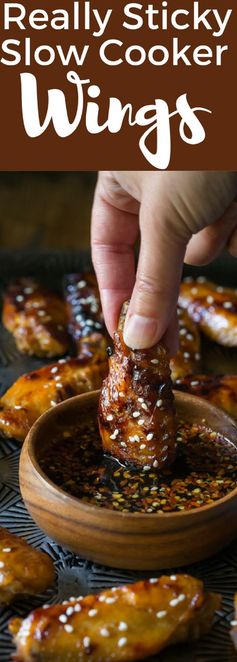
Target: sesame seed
140,399
123,444
109,417
182,332
92,612
62,618
59,385
197,356
6,549
28,290
121,394
142,447
194,383
227,304
181,597
141,421
174,602
17,407
104,632
68,628
146,467
86,642
173,577
159,403
153,580
136,437
194,290
53,370
122,626
161,614
144,406
233,623
155,464
19,298
115,434
210,299
102,598
150,436
41,313
45,607
189,336
136,414
186,355
77,607
110,601
81,284
155,361
220,289
53,403
69,611
122,642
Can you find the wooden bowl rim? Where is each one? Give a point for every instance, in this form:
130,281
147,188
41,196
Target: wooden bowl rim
99,510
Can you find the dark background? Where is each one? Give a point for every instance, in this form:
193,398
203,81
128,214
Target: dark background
46,210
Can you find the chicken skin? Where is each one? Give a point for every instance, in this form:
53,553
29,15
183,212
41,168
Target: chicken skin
23,569
220,391
126,623
187,359
34,393
86,323
213,308
136,407
37,318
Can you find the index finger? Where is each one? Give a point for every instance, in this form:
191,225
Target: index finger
113,235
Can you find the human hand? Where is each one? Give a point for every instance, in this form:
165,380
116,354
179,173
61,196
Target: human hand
179,216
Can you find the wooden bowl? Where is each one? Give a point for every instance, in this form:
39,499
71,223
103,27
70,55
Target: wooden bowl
124,540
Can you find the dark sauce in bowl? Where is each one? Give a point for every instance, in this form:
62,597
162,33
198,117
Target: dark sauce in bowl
205,470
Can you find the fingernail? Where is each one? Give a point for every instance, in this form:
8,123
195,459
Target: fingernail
140,332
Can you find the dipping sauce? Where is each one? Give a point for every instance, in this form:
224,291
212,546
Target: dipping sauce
205,470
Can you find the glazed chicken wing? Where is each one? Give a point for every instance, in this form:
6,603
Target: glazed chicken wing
136,408
220,391
234,624
34,393
127,623
213,308
37,318
85,314
23,569
187,359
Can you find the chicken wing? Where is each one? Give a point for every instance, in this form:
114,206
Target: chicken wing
136,408
187,359
220,391
34,393
86,318
126,623
23,569
233,633
213,307
37,318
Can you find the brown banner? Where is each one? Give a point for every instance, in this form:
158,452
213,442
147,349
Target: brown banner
165,59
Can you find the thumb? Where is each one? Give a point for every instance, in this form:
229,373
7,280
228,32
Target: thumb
156,289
